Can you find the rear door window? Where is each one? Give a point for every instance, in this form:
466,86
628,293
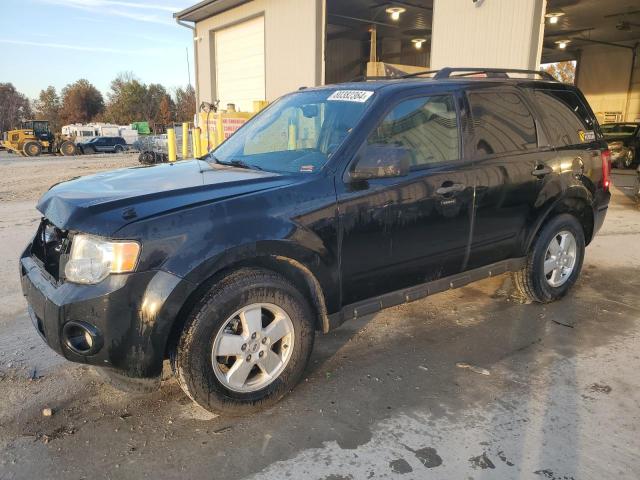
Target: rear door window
502,123
426,126
566,117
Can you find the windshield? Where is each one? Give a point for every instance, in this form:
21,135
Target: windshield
298,133
618,130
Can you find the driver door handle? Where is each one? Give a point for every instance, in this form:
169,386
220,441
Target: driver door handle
450,188
541,171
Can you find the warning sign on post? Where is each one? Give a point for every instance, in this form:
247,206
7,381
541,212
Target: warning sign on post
230,125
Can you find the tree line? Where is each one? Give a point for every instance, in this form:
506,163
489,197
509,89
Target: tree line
128,100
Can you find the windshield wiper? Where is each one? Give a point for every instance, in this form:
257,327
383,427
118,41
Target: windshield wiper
240,164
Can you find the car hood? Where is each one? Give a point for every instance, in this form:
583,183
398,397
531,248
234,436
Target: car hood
103,203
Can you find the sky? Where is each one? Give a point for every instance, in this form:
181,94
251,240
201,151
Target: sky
56,42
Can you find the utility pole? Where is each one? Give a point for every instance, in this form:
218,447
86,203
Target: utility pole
188,67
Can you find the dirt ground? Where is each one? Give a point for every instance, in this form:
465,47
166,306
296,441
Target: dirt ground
554,392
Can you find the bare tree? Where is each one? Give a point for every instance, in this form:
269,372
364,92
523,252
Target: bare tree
14,107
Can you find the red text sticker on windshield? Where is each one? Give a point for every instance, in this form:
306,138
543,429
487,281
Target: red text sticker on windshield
306,168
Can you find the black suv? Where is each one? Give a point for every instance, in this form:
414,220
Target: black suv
333,203
103,145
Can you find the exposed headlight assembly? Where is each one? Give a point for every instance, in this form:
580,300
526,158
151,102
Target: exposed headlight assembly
92,259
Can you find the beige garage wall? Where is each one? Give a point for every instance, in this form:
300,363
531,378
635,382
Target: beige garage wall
293,45
487,33
633,103
603,77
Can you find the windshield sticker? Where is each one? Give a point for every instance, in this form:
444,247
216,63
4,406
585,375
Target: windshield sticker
359,96
306,168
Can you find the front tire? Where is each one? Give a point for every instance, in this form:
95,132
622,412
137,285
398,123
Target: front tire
32,149
245,344
554,261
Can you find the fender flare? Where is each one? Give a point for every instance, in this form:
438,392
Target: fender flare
572,195
293,265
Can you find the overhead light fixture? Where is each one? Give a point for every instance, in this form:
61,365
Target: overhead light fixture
395,12
417,42
562,44
554,17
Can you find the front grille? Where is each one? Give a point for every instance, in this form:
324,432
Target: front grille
51,246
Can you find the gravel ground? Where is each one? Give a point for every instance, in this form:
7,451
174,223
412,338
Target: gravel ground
383,397
27,178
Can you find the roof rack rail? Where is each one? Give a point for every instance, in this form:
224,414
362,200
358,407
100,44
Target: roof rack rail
447,72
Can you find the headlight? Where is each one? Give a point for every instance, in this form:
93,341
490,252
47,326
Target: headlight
92,259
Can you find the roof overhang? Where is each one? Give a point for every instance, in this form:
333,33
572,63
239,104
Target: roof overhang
208,8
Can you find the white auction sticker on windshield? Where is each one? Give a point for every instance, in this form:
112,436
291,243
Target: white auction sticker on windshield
359,96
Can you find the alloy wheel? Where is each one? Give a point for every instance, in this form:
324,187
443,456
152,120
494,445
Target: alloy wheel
560,258
628,159
253,347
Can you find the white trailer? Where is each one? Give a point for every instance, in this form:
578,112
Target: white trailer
85,132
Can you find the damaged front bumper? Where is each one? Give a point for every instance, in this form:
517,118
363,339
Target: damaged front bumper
125,320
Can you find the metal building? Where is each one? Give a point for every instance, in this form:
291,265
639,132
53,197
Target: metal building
250,50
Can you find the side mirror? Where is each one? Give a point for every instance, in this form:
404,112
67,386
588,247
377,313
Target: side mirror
381,161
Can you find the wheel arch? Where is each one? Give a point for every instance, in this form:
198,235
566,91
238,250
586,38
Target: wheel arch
576,204
294,270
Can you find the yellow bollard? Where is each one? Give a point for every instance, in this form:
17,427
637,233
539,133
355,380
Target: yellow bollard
196,142
293,134
171,144
193,143
185,140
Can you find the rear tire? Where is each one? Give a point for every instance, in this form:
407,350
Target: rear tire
243,316
554,261
32,149
118,149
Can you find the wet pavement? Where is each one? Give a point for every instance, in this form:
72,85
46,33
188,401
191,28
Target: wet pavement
384,396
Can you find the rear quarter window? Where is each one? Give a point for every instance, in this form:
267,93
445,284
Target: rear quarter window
502,123
565,116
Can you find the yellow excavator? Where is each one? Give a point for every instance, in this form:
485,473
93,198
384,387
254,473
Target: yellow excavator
34,137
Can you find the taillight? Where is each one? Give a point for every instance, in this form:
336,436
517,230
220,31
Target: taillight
606,168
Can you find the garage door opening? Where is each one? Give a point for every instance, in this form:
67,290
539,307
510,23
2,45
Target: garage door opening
376,38
239,64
